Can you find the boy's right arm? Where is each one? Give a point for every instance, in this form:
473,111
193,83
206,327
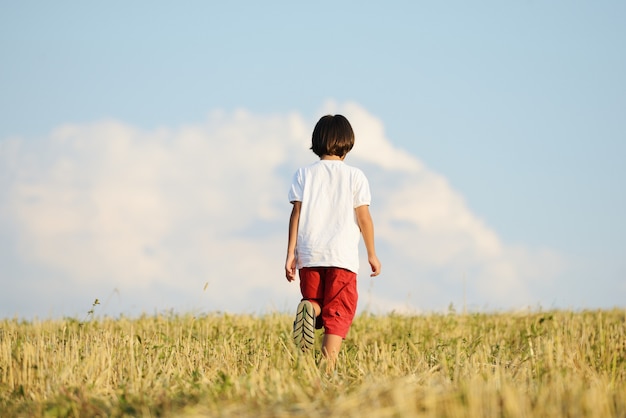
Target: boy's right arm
366,225
290,263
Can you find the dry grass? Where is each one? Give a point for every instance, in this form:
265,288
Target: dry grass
544,364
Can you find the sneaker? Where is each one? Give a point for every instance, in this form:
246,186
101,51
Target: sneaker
304,326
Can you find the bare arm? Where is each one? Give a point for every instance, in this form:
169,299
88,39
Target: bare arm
290,263
366,225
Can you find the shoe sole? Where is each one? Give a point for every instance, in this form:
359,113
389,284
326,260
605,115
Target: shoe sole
304,326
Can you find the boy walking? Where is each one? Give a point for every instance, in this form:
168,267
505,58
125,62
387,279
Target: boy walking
330,213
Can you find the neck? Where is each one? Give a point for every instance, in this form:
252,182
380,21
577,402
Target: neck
332,157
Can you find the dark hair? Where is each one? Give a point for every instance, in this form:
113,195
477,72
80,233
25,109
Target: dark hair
332,135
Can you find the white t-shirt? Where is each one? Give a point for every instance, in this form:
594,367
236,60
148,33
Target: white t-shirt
328,232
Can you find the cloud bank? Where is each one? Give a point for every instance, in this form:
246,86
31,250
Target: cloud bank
195,218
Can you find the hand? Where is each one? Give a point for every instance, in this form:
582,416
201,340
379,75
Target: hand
374,264
290,268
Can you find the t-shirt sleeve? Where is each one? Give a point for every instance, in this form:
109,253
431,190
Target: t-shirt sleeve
362,194
295,191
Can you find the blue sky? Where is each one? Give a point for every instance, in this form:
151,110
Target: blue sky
517,107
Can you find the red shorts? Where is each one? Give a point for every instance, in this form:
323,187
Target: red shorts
334,289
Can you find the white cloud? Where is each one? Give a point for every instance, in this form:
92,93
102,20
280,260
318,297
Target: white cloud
372,146
158,214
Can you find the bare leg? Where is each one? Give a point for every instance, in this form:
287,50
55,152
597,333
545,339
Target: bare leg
316,307
330,348
331,344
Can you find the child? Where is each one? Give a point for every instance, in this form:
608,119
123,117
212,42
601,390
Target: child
330,211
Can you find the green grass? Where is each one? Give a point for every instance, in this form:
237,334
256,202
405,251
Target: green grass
544,364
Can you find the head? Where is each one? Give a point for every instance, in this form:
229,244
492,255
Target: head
332,135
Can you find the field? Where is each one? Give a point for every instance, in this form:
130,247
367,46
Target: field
531,364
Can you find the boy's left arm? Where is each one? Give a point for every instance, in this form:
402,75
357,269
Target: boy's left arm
290,263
